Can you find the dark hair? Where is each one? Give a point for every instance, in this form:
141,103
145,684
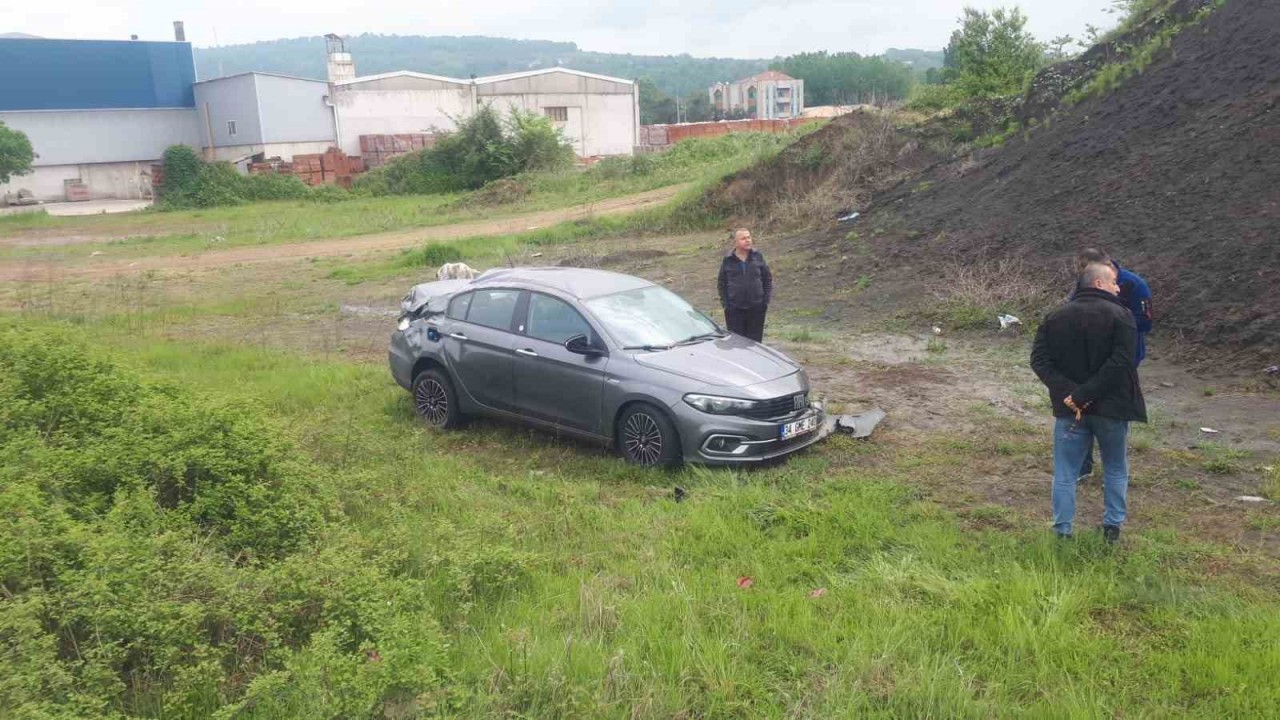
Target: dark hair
1091,255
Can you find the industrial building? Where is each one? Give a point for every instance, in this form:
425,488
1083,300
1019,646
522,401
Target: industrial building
770,95
100,113
598,115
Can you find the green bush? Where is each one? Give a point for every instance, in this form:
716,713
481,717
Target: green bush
181,173
166,555
270,186
217,185
935,97
484,148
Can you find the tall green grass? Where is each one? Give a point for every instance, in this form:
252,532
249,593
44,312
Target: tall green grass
565,584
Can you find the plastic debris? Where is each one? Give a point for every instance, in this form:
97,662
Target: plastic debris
848,218
859,426
95,253
818,593
1008,321
1251,499
680,494
937,330
1166,384
1209,431
746,581
1273,370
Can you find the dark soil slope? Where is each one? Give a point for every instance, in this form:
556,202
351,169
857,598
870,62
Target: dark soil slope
1177,172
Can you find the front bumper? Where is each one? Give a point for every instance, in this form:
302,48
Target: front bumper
746,440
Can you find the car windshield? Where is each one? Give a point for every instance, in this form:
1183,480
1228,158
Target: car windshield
650,317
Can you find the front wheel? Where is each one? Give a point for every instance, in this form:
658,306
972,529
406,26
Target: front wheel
646,437
435,400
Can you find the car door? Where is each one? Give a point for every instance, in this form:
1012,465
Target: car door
553,384
479,340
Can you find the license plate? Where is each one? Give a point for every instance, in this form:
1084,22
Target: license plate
799,427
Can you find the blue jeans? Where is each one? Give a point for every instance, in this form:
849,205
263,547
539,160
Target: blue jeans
1071,442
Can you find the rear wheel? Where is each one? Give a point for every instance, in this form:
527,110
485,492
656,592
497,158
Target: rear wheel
647,437
435,400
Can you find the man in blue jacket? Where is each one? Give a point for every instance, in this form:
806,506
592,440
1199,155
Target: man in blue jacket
1135,295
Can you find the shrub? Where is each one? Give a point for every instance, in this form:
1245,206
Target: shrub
935,97
163,554
181,172
270,186
431,255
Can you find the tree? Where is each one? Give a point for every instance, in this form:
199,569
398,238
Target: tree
992,53
656,107
16,154
1059,45
847,78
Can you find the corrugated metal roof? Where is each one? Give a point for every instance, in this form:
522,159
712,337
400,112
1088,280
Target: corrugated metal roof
403,73
46,74
545,71
268,74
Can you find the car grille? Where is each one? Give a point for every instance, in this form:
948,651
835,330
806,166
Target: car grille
778,407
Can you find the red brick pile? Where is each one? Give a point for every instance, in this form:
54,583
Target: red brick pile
378,150
332,167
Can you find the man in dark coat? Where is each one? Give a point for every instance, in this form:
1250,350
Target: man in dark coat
746,287
1084,354
1134,294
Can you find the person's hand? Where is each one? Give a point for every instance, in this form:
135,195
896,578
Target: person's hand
1071,405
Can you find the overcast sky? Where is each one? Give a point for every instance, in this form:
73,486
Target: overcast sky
725,28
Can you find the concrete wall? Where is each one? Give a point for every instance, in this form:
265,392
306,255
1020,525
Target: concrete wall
284,151
392,112
602,113
71,137
293,110
597,125
228,99
105,180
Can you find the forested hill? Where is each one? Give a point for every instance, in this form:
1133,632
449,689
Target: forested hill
676,75
464,56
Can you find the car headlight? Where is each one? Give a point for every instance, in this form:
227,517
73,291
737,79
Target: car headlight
719,405
403,323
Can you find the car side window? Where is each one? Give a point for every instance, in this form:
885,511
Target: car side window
493,308
458,307
554,320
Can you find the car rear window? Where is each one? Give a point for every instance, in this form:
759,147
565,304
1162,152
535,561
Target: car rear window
458,307
493,308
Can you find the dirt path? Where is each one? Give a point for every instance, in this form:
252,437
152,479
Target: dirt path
102,266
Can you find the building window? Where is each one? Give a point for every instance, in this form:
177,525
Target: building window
231,127
557,114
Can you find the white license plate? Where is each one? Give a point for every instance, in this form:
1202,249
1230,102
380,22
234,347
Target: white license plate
799,427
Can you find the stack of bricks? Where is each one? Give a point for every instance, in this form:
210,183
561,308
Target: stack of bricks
378,150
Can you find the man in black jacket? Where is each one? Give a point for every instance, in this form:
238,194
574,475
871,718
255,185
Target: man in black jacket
1084,354
746,287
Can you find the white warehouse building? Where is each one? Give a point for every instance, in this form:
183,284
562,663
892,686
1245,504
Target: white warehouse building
598,115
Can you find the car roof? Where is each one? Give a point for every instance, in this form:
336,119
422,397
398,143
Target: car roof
579,283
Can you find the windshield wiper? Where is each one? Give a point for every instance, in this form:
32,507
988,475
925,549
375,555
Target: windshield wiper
704,336
649,348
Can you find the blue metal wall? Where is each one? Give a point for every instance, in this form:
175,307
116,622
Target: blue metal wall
95,74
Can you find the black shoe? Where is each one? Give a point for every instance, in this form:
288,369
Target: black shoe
1111,533
1063,537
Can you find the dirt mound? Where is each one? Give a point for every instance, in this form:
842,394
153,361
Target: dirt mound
837,168
1177,172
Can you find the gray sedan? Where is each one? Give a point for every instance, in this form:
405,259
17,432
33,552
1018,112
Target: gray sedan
603,356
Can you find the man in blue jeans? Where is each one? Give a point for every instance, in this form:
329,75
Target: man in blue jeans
1135,294
1084,354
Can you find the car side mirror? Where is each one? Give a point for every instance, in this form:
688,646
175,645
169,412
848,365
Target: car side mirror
581,345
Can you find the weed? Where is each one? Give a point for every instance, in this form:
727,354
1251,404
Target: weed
862,283
936,345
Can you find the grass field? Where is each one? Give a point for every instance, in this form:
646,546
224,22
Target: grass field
215,502
566,584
